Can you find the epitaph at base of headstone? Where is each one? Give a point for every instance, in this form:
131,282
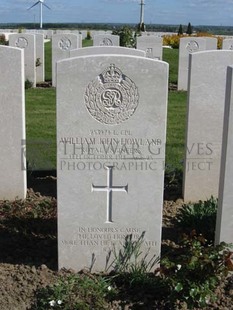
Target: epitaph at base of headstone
12,125
111,131
224,226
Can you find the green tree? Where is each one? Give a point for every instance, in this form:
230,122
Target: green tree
127,38
189,29
180,31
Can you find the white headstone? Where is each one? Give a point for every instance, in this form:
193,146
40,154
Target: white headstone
106,40
227,44
224,225
206,100
100,50
27,42
39,58
153,46
187,46
12,125
61,46
111,131
211,43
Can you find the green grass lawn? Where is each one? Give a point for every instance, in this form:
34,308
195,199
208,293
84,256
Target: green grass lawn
41,119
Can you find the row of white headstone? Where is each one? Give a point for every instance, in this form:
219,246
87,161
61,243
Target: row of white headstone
111,137
62,44
33,46
189,45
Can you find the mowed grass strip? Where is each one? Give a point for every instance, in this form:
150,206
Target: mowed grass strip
176,122
41,128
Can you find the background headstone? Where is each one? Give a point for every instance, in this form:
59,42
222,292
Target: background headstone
27,42
211,43
227,44
153,46
206,99
39,58
12,125
187,46
106,40
224,226
111,131
62,43
98,50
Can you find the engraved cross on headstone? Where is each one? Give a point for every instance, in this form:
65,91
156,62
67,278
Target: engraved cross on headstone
109,188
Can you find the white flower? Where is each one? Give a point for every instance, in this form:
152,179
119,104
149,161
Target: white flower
59,302
109,288
52,303
179,267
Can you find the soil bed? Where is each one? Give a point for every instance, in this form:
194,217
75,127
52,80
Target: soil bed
28,251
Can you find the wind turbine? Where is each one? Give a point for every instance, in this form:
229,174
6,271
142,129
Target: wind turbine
41,2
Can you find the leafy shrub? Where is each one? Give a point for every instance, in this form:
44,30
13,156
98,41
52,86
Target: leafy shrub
194,270
127,38
200,216
174,40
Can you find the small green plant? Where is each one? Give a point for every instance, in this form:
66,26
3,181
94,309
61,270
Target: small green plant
38,62
173,181
200,217
88,37
75,292
194,270
130,258
131,266
28,84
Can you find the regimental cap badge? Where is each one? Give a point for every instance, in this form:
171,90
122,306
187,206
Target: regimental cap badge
112,97
111,75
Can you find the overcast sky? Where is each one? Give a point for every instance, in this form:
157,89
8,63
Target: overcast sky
198,12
